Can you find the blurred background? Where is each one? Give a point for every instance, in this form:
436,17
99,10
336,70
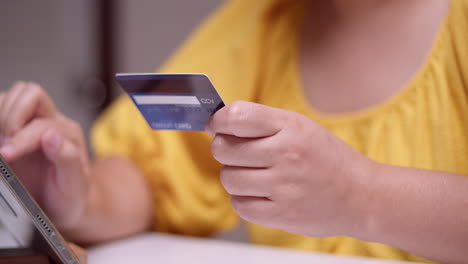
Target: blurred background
74,47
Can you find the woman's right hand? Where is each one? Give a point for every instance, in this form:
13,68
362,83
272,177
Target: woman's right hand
47,151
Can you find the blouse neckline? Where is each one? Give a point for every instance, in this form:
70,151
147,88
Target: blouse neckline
384,106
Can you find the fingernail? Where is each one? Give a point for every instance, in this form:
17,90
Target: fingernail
53,140
8,150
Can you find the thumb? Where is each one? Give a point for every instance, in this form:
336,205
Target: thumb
63,155
65,190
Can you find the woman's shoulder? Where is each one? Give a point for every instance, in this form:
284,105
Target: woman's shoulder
455,35
451,51
458,16
457,20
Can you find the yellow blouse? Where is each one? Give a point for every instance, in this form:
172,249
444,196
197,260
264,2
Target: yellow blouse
248,48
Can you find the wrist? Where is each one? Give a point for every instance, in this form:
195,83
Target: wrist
363,200
83,220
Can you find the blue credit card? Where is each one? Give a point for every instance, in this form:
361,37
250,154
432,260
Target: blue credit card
172,101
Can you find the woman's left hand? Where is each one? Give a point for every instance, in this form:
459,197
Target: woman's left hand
285,171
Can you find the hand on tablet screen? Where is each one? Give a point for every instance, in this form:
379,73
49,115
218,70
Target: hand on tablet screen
47,151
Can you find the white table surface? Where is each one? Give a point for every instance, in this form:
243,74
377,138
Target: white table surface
169,249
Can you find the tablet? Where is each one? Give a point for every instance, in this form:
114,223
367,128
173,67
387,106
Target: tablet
26,223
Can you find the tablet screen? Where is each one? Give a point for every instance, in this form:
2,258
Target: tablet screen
15,221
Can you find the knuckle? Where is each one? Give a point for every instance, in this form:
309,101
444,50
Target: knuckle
236,106
296,123
228,181
17,85
35,89
269,153
296,149
236,113
218,147
294,153
241,207
250,210
69,152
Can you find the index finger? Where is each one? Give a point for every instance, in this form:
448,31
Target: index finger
31,102
247,120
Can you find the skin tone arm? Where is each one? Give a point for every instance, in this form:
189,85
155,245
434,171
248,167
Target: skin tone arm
88,201
420,211
119,203
290,173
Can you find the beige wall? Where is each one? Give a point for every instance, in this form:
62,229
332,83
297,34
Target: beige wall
48,41
152,29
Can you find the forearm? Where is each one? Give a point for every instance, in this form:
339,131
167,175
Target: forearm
119,203
422,212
